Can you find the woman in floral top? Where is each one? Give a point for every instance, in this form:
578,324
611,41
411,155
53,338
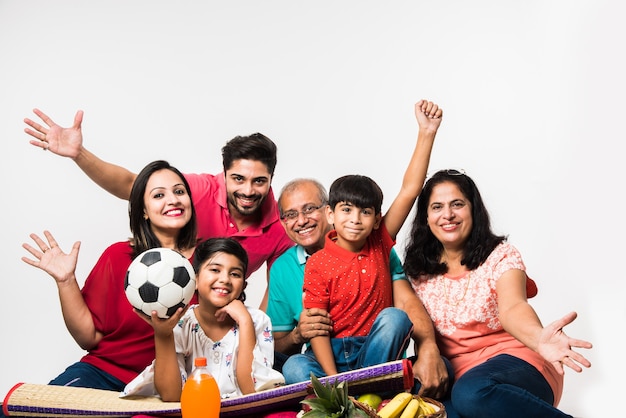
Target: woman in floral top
473,284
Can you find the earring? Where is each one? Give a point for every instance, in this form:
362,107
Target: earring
145,217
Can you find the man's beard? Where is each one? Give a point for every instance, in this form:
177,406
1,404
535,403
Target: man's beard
257,201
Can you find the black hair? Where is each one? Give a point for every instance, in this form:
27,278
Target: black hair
361,191
256,147
423,252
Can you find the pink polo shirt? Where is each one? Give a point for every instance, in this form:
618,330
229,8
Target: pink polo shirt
263,242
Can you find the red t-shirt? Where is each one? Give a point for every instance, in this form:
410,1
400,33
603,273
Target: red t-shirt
353,287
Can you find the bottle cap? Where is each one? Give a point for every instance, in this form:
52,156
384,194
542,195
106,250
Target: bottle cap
199,362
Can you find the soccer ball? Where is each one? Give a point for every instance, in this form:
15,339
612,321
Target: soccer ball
161,280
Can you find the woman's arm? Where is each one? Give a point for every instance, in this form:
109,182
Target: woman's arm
62,267
519,319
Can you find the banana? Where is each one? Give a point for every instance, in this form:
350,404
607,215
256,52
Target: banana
425,407
410,411
395,406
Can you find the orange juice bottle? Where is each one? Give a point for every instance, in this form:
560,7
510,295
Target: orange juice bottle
201,396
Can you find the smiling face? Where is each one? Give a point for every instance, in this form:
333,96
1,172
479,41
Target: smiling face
449,216
310,225
247,186
353,224
166,204
220,279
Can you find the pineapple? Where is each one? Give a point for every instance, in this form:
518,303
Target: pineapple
333,401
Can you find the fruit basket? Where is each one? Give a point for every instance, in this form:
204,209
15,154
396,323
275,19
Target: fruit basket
441,410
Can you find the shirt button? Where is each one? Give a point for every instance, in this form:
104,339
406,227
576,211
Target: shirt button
363,271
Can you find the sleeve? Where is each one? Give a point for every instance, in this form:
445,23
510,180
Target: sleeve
507,257
101,285
264,376
316,291
395,267
285,284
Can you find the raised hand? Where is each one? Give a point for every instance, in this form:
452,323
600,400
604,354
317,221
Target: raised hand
428,115
65,142
556,347
51,259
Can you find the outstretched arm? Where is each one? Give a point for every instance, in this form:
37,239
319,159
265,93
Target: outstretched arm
428,116
519,319
68,142
62,267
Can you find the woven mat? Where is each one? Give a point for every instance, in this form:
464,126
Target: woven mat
36,400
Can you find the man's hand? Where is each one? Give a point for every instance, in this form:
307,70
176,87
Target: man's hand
313,322
66,142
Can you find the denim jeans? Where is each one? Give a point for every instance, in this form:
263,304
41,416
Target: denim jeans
387,341
503,386
84,375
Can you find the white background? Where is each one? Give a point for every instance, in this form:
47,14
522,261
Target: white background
533,95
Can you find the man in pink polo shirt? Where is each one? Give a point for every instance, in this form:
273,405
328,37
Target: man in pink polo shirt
237,203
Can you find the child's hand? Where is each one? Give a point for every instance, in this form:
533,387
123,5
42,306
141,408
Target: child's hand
163,327
236,310
428,115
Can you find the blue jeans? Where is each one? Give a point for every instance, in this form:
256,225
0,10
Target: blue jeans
86,376
503,386
387,341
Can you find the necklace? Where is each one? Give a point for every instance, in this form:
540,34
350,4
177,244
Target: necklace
456,301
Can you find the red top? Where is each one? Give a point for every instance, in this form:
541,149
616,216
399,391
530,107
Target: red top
353,287
263,242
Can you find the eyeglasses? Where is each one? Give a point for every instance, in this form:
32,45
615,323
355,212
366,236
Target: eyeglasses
292,215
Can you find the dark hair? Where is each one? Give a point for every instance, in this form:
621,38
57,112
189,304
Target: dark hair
423,253
255,147
143,235
206,249
358,190
295,184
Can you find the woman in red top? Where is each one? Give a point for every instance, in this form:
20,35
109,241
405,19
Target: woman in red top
118,342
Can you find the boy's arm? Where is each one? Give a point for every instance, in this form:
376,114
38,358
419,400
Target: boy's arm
68,142
428,116
324,354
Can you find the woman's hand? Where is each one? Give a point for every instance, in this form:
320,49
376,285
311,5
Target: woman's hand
556,347
50,258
